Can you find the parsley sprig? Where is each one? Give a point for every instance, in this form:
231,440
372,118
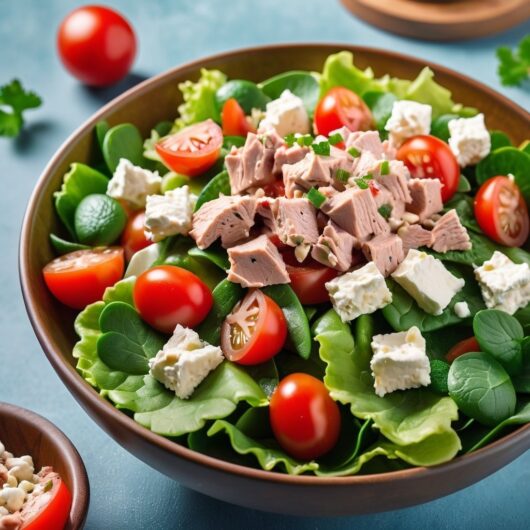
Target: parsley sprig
514,65
14,100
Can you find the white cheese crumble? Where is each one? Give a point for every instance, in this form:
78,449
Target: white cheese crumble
286,115
184,362
359,292
462,310
133,183
469,139
400,361
169,214
427,281
408,118
504,284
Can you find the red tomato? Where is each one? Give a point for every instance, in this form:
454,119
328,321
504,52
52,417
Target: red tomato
166,296
81,277
255,330
464,346
304,418
234,120
276,189
501,211
49,510
341,107
96,44
429,157
133,238
193,150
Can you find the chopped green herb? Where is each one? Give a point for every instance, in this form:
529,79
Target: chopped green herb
385,167
385,210
362,183
290,139
48,486
368,176
14,97
335,139
342,175
514,67
305,140
316,197
321,148
354,152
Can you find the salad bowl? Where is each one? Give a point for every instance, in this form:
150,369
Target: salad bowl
153,101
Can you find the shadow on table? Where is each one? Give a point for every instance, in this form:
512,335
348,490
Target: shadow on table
31,134
105,94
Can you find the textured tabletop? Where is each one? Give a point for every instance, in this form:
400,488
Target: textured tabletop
126,493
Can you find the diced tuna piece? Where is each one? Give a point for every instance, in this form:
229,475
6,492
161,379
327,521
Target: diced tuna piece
366,164
396,181
414,236
257,263
271,139
449,234
426,197
312,170
334,247
322,220
389,150
355,211
368,141
288,155
344,132
386,251
229,218
250,166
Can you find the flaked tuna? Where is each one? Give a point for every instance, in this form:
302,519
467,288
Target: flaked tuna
386,251
414,236
366,141
426,197
312,170
334,247
288,155
449,234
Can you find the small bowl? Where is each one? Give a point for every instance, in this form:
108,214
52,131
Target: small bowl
25,433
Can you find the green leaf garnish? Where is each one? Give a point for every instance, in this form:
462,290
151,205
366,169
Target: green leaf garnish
17,100
321,148
290,139
514,66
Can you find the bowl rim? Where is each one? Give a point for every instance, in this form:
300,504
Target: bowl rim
71,457
82,391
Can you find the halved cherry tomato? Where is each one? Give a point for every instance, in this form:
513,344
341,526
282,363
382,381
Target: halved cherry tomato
341,107
304,418
501,212
429,157
193,150
233,119
49,510
81,277
166,296
133,238
255,330
464,346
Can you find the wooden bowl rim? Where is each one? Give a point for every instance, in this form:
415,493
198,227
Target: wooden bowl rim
83,391
69,454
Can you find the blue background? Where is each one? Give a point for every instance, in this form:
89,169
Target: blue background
125,492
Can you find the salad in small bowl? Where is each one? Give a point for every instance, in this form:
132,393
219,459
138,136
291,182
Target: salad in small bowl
319,273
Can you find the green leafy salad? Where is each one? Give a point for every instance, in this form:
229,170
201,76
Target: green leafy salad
319,273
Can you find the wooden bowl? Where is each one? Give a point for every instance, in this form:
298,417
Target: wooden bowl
145,105
25,433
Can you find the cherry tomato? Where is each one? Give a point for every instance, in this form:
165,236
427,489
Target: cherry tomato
96,45
48,510
304,418
234,120
81,277
193,150
255,330
166,296
429,157
464,346
501,212
133,238
341,107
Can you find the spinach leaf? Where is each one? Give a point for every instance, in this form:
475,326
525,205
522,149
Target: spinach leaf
233,141
246,93
463,204
291,363
439,375
464,186
499,139
380,104
266,375
500,335
219,184
101,129
126,343
481,388
521,382
217,256
440,126
61,246
523,316
297,323
439,342
123,141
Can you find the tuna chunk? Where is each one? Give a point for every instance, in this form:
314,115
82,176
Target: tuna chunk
386,251
414,236
312,170
366,164
334,247
366,141
288,155
449,234
355,211
229,218
396,181
256,263
251,165
426,197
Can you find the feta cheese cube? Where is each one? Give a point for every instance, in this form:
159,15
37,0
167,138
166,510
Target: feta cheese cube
133,183
462,310
169,214
286,115
359,292
400,361
184,362
504,284
469,139
427,281
408,118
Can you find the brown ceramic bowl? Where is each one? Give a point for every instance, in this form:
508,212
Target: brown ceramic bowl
145,105
25,433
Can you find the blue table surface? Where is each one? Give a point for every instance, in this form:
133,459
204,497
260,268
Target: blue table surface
126,493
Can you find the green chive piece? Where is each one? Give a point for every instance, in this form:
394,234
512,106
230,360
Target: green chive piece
316,198
342,175
290,139
362,183
335,139
385,167
368,176
321,148
305,140
385,210
354,152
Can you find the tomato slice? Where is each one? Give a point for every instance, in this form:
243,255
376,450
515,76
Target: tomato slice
464,346
81,277
193,150
429,157
501,211
234,120
341,107
255,331
133,238
304,418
